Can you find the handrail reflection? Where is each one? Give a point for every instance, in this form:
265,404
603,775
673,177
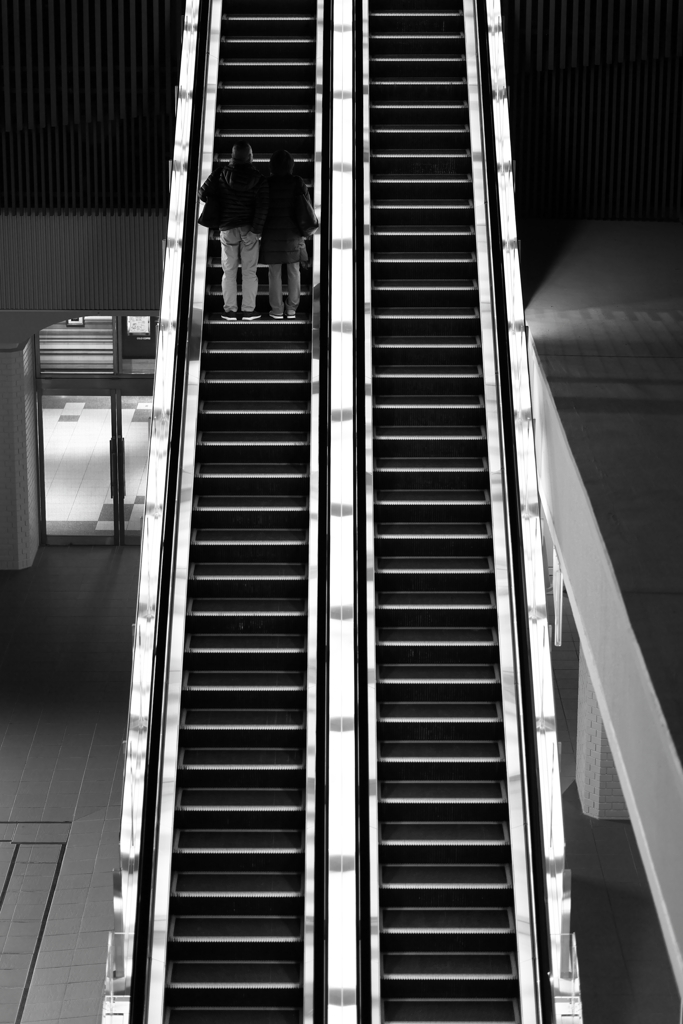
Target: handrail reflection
342,923
196,255
507,612
144,651
564,963
313,541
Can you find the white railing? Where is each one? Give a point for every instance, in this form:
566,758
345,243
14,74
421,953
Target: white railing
342,866
120,958
115,1004
568,1002
564,963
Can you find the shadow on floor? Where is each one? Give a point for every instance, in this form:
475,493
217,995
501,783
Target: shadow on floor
542,243
626,977
65,662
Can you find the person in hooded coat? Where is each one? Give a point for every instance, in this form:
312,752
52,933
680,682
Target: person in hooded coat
281,242
243,196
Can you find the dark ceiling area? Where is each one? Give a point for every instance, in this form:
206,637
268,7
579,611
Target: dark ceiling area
88,103
596,107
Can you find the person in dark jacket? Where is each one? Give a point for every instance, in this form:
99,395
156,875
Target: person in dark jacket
281,241
243,195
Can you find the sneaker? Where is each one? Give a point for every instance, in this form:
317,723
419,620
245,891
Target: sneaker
290,314
252,315
230,314
276,316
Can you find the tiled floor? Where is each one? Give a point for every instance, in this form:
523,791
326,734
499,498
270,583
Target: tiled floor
76,435
65,653
626,977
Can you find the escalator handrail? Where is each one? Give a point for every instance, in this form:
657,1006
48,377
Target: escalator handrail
555,946
312,702
342,854
150,619
152,959
502,508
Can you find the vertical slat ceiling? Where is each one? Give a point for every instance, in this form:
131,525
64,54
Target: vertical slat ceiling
96,55
544,35
600,142
596,105
89,84
105,165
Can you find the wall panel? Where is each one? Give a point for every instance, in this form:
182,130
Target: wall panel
105,261
549,35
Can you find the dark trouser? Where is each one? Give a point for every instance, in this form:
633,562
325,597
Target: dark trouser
275,286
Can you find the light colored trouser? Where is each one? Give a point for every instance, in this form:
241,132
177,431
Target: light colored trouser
239,244
275,286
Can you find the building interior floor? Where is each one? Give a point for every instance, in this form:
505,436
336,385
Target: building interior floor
65,659
65,656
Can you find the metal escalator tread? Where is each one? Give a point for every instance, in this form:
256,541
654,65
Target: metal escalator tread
447,925
236,940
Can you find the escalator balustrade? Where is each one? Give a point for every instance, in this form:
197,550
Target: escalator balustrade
447,925
235,946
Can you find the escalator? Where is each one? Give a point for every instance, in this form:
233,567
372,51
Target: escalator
242,895
446,900
237,895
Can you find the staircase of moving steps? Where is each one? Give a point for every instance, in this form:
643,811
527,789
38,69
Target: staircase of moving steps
235,945
447,928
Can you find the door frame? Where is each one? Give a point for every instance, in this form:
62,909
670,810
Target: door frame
114,386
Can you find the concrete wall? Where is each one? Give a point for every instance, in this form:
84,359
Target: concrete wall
597,779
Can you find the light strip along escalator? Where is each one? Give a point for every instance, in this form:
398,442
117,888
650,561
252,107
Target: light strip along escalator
447,875
236,936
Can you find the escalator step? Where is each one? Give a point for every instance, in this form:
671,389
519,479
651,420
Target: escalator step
235,947
447,924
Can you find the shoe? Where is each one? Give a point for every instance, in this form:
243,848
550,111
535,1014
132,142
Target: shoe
230,314
253,315
290,314
276,316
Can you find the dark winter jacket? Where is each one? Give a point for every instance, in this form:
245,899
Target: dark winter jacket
243,195
281,235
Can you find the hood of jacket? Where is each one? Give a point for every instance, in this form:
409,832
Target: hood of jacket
241,177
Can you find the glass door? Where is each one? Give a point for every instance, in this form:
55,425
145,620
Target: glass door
78,501
94,458
135,424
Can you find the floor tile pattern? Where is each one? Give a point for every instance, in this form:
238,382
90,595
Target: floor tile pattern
24,908
65,655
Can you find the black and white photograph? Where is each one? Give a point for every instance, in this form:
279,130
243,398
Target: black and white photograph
341,512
